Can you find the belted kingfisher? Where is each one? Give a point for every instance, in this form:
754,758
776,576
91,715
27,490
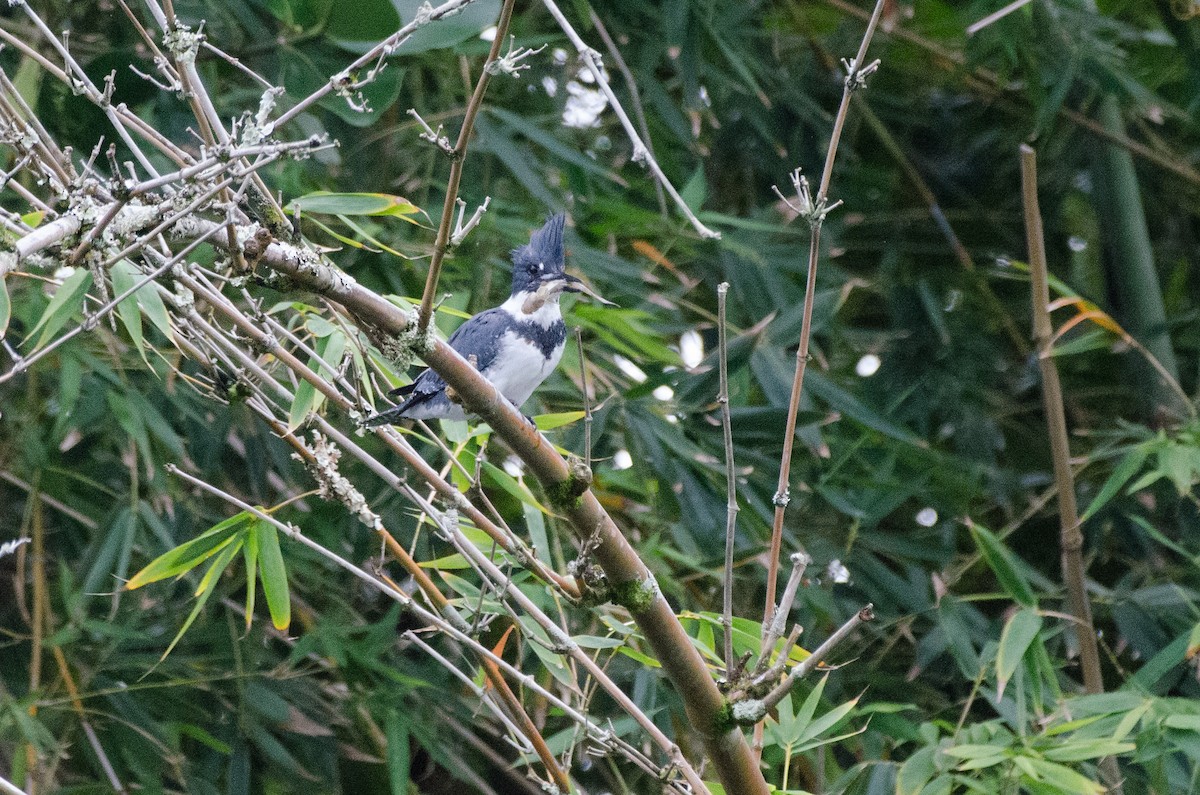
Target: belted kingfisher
515,345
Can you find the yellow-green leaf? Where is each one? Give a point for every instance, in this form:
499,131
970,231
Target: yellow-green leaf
187,556
274,577
548,422
208,584
124,277
66,301
250,553
5,307
327,203
1015,639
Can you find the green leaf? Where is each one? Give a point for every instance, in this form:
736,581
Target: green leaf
510,484
208,584
66,302
328,203
1019,632
917,771
1061,777
152,305
124,276
274,577
1130,464
548,422
1082,750
187,556
5,306
307,399
842,401
362,20
1003,564
398,756
450,30
250,553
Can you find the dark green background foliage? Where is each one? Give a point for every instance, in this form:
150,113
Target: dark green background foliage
736,95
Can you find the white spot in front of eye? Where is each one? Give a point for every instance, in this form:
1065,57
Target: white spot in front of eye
541,266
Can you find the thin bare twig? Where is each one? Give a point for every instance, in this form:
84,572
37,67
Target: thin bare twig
815,211
731,506
641,152
458,156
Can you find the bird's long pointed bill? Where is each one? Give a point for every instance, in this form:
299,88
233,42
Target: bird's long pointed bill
575,285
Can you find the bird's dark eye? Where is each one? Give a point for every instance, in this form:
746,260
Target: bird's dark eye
534,267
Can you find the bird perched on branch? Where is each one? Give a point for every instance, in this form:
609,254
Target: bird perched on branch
515,345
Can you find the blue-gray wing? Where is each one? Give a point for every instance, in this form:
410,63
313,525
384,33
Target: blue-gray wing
478,339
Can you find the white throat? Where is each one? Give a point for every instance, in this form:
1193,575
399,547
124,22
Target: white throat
546,313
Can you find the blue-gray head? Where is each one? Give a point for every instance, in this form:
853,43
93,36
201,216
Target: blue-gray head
538,265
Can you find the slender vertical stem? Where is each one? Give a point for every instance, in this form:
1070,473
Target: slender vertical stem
785,463
587,400
731,506
37,611
442,243
1071,534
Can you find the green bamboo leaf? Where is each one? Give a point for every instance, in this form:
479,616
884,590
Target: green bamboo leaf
66,301
917,771
5,306
839,399
307,399
250,553
1082,750
1004,565
187,556
1018,633
118,537
510,484
548,422
808,709
208,584
374,241
1121,474
327,203
152,305
124,276
274,577
398,756
827,721
1061,777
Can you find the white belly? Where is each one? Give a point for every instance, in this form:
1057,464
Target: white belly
520,368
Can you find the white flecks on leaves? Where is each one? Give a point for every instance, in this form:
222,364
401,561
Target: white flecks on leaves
868,365
550,85
664,392
584,104
629,368
837,571
691,349
488,33
927,517
622,459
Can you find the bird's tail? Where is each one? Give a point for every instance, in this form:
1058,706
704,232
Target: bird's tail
389,417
